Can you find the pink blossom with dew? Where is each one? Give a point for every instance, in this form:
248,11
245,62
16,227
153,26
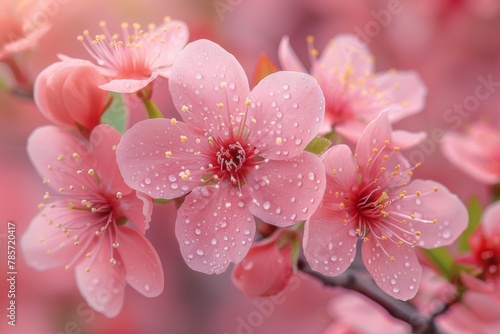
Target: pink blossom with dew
354,93
237,153
91,219
370,196
476,152
66,93
485,255
133,60
18,32
268,266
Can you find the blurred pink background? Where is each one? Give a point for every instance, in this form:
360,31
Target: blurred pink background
450,43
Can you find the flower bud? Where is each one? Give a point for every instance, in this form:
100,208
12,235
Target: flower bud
268,266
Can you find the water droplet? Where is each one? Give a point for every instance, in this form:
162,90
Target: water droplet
172,178
247,232
285,86
311,176
147,288
273,104
231,85
266,205
295,105
147,180
236,98
286,96
248,265
333,258
298,141
214,241
198,76
174,186
393,281
395,290
241,204
197,231
200,252
446,234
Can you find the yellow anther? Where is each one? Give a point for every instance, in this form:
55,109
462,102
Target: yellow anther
183,139
184,108
173,121
168,154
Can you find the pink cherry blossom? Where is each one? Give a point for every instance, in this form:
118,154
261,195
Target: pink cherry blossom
268,266
354,93
238,153
133,60
67,93
18,29
476,152
91,219
485,254
370,196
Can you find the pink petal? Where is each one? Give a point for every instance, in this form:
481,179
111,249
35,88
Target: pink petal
405,92
51,150
286,114
489,219
447,208
288,58
128,85
103,141
374,136
476,284
329,244
152,157
399,279
282,192
103,287
214,227
46,246
470,157
195,82
143,268
404,139
345,53
138,208
340,170
350,130
175,33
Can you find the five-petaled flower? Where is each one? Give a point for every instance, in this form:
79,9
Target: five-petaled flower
354,93
370,196
94,220
237,153
133,60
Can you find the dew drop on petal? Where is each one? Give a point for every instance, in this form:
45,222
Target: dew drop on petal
198,76
147,180
147,288
197,231
446,234
266,205
200,252
214,241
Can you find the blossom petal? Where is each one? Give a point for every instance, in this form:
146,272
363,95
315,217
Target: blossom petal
103,287
51,150
138,208
174,35
405,92
103,141
286,113
340,170
196,82
404,139
346,54
374,136
448,210
142,264
214,227
399,278
282,192
489,219
470,157
46,246
128,85
288,58
154,154
329,244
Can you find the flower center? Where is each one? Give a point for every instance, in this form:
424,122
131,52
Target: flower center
231,158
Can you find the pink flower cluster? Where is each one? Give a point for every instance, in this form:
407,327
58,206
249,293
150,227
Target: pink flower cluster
237,158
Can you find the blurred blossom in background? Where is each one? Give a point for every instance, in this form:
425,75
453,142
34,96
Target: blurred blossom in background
452,45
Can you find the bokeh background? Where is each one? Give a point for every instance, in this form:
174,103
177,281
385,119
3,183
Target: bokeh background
450,43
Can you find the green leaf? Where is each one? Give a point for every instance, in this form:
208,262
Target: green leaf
318,145
117,113
442,260
475,212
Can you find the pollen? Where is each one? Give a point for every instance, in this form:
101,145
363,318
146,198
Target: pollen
173,121
184,139
223,84
418,233
168,154
279,141
392,259
248,103
184,108
220,105
91,172
119,195
112,261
